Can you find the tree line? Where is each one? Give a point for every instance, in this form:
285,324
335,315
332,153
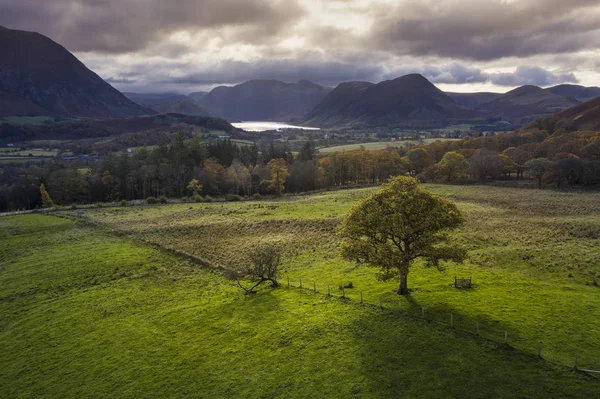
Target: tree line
223,168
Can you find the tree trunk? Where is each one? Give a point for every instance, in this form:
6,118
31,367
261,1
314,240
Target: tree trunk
403,290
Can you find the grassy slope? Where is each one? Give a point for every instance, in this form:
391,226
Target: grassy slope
534,258
84,313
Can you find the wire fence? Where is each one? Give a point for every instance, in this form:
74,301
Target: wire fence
545,349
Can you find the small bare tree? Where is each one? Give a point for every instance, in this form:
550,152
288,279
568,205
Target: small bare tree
264,266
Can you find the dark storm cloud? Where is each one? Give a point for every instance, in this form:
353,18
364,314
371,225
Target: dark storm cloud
487,30
118,26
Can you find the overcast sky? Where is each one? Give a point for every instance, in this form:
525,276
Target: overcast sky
191,45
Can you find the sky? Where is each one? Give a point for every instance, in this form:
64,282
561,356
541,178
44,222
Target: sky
194,45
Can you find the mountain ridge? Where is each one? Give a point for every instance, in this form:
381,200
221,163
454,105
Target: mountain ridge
40,77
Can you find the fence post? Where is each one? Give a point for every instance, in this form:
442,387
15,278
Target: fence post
451,320
288,281
539,349
422,312
477,327
328,290
380,303
361,301
300,283
343,292
315,287
506,337
575,360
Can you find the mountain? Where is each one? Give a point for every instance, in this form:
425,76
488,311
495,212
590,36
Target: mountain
40,77
579,93
264,100
150,99
187,106
473,100
410,100
198,95
525,104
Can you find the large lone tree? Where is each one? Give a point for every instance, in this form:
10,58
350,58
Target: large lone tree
400,223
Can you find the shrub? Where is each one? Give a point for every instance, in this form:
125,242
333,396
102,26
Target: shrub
197,198
151,200
73,206
232,197
208,198
162,199
256,197
123,203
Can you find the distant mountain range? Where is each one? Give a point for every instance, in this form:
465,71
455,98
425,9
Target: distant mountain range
408,100
525,104
40,77
264,100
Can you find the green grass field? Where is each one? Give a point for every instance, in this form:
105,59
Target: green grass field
85,312
377,145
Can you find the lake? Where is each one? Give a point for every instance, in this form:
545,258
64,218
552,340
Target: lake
264,126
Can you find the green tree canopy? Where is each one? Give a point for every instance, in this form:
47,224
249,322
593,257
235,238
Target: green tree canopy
454,166
400,223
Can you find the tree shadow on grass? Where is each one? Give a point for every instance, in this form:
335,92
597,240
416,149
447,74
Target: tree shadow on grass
409,357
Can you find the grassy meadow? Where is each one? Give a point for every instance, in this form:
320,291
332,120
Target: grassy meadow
85,312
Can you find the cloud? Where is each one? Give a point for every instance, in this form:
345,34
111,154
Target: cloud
536,76
456,73
486,30
118,26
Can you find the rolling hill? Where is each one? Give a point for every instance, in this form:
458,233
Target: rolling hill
525,104
40,77
410,100
264,100
579,93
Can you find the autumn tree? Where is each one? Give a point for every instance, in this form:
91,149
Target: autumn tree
46,200
536,169
400,223
194,187
279,173
454,166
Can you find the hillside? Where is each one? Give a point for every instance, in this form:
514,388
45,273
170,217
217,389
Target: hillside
40,77
186,106
408,100
582,117
579,93
110,127
473,100
150,99
198,95
264,100
525,104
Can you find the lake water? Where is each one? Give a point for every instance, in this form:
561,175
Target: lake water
264,126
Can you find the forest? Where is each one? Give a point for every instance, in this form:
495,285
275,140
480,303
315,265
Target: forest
545,157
